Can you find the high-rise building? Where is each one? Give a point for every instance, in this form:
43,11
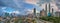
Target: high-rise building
52,11
49,13
34,11
49,7
57,13
46,10
42,13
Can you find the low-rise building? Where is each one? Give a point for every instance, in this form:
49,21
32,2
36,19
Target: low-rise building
57,14
42,13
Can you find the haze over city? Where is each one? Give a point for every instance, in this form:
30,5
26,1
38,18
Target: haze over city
29,11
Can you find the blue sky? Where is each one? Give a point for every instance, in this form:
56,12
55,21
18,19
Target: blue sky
10,6
27,5
18,6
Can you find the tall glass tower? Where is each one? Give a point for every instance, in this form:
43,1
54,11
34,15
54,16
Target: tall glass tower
34,12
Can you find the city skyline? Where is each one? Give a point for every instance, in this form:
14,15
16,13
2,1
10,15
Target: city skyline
23,6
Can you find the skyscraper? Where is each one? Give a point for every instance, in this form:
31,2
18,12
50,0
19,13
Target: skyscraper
49,13
43,13
52,11
49,7
34,11
46,9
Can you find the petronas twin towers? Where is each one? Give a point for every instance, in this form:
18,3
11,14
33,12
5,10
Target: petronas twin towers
46,8
46,12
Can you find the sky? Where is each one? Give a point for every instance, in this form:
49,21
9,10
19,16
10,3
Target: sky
16,6
24,6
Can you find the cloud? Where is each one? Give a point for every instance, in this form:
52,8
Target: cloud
2,3
30,1
4,8
16,12
37,11
29,11
13,3
17,3
53,5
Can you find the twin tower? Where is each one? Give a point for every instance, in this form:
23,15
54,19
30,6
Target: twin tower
47,13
